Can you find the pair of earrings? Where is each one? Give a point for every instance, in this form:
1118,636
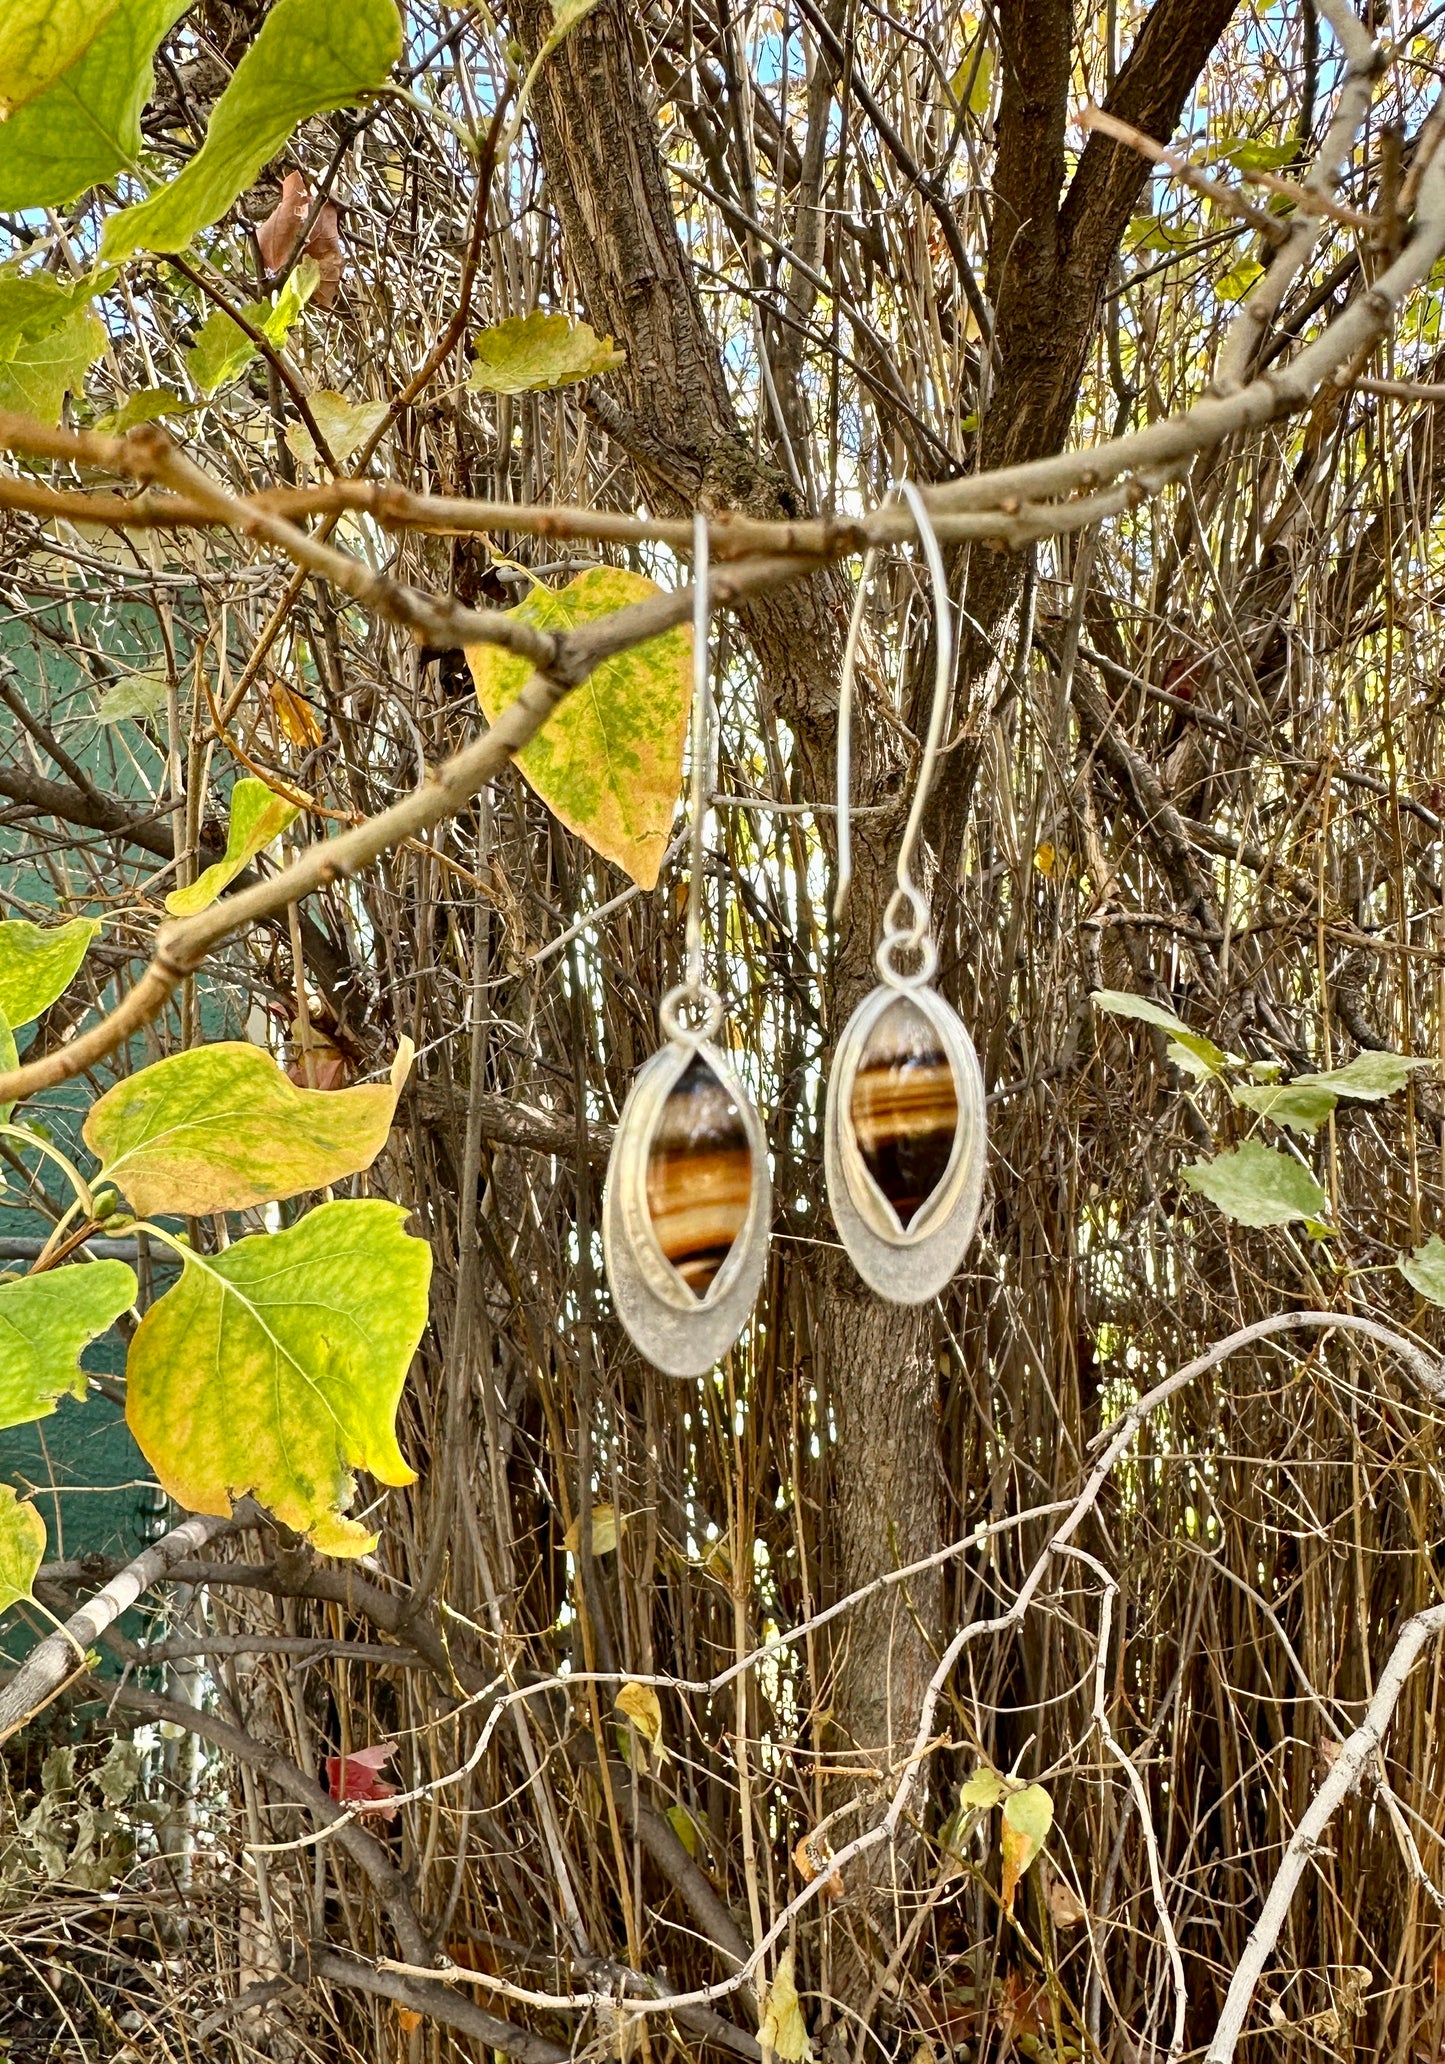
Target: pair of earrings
687,1206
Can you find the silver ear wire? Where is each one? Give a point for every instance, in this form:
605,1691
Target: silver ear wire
904,1132
942,681
687,1205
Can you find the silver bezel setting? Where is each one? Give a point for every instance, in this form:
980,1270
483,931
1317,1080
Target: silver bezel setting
679,1333
905,1265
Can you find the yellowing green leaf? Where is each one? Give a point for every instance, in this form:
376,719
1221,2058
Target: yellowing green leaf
276,1368
223,350
607,1529
1303,1106
258,815
38,963
782,2031
147,406
33,304
9,1059
1122,1003
137,698
38,39
984,1789
346,426
1367,1078
608,762
310,57
222,1127
1256,1186
86,125
686,1829
642,1707
1236,283
980,94
537,350
22,1548
1424,1270
1027,1818
35,379
45,1321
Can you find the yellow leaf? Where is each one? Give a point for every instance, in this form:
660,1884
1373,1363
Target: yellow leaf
608,762
641,1705
22,1547
346,426
606,1530
408,2018
221,1128
258,815
294,714
782,2031
533,351
1027,1818
686,1830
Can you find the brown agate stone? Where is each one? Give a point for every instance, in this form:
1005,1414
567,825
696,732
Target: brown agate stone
904,1108
699,1176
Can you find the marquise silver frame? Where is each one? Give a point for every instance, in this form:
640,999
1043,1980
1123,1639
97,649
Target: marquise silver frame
679,1333
905,1266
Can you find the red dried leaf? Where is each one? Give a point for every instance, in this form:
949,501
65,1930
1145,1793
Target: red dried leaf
278,233
277,237
355,1780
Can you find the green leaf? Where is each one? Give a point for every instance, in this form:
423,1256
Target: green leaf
310,57
1251,154
221,1128
1367,1078
148,406
346,426
35,379
223,350
45,1321
9,1058
608,762
1424,1270
1256,1186
37,965
1236,283
258,815
32,304
983,1790
22,1548
1303,1106
38,39
537,350
1205,1057
139,698
1027,1817
86,126
277,1366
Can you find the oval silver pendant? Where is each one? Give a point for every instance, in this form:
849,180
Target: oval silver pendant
905,1141
686,1209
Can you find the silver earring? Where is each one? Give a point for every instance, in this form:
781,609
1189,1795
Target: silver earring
905,1133
687,1206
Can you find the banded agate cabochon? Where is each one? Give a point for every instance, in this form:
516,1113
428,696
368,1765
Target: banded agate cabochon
904,1108
699,1176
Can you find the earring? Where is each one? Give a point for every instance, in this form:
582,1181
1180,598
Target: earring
905,1130
687,1205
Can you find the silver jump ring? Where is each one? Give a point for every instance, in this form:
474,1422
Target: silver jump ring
704,1000
893,943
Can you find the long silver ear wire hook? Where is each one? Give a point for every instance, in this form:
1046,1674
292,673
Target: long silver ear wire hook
700,782
687,1204
943,676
